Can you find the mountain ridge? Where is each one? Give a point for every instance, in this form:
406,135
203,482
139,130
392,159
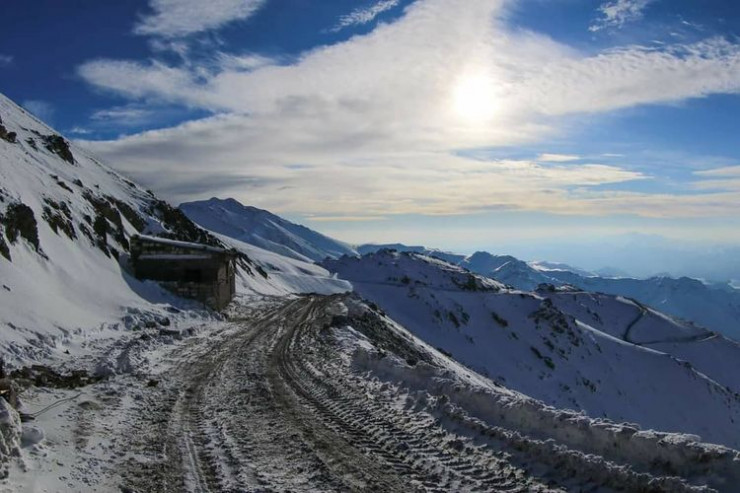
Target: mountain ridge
264,229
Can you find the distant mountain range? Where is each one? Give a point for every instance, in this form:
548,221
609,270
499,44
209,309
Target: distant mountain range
714,306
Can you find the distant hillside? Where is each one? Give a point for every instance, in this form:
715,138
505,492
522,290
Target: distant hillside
264,229
602,354
453,258
714,306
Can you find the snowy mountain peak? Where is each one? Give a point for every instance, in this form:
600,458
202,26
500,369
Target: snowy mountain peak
264,229
412,269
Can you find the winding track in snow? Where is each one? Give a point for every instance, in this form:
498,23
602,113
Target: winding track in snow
269,405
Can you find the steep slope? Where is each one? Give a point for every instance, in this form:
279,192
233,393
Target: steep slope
717,308
713,306
65,224
279,275
264,229
549,346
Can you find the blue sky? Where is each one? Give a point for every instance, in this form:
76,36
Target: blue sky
397,120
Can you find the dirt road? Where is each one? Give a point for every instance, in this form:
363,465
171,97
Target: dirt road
275,404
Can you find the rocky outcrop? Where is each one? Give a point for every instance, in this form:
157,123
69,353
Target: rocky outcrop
20,222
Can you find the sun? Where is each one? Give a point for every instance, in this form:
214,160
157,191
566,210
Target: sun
474,98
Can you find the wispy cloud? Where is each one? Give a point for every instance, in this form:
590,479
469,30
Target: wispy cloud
5,60
617,13
130,115
177,18
77,130
557,158
365,15
725,172
41,109
379,117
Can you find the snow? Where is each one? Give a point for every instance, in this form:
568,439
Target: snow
285,275
462,400
712,306
550,347
263,229
593,356
182,244
69,293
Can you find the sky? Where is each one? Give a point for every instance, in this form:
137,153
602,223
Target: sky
465,125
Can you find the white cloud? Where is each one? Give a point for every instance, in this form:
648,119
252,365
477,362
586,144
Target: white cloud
378,117
130,115
5,60
725,172
79,131
557,158
43,110
177,18
617,13
364,15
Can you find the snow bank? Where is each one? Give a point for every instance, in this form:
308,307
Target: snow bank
10,436
562,438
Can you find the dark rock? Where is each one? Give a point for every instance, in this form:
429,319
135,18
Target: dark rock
59,146
43,376
21,222
59,217
4,249
5,135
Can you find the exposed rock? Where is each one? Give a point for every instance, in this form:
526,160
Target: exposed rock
105,215
4,249
59,217
10,436
21,222
5,135
180,227
129,213
59,146
43,376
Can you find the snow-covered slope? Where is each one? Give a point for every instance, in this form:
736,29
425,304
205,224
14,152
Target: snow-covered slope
264,229
65,221
568,349
280,275
714,307
453,258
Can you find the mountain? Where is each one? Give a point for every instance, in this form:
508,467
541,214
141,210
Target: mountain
264,229
714,306
453,258
65,224
604,355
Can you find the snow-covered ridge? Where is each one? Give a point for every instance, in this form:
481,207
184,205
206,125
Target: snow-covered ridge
571,441
264,229
65,224
565,348
716,307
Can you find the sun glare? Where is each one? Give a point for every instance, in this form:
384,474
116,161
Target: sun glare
474,98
